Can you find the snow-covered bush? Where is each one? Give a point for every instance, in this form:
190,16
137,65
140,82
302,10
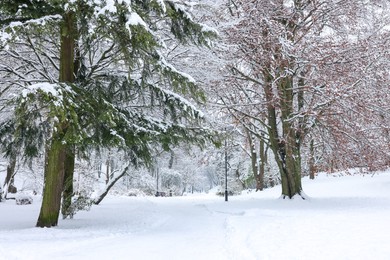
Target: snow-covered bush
23,200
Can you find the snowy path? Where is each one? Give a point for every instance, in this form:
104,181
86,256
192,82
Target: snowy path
350,223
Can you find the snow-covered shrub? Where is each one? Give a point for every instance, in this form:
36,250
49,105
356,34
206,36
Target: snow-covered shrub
80,202
23,200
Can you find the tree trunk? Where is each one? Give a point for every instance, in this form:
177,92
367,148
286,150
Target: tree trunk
312,168
108,169
286,147
109,185
54,177
56,152
253,156
8,185
68,44
171,160
263,161
68,184
258,170
291,179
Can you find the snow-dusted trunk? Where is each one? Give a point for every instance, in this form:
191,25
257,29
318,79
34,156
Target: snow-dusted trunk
57,148
253,156
285,145
109,185
263,163
312,168
291,179
280,94
258,161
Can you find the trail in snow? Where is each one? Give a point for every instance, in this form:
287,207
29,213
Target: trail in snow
345,218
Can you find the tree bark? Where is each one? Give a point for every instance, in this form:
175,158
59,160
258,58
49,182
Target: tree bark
285,146
263,162
68,183
258,170
57,149
312,168
68,44
54,177
8,185
109,185
292,163
285,142
253,156
108,169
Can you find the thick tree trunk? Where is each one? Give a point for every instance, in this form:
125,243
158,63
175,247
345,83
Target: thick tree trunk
291,179
292,171
286,147
54,177
56,152
68,44
288,158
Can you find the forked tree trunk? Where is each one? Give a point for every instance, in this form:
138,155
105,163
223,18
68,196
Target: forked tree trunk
291,179
285,145
284,101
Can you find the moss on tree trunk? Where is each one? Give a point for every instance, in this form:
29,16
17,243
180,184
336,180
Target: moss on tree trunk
57,150
54,177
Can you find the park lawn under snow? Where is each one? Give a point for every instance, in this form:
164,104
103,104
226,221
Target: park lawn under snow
345,218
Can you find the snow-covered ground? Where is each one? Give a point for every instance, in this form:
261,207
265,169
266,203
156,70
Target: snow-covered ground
345,218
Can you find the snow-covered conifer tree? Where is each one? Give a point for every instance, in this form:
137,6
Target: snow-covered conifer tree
114,86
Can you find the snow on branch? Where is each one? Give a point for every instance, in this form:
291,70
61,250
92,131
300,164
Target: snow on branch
8,31
184,7
54,89
105,7
133,19
45,87
162,5
163,63
4,38
41,21
186,104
